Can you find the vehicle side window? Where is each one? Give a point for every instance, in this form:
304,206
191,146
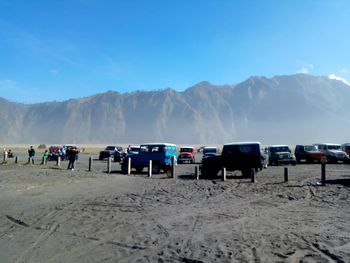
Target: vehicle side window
144,149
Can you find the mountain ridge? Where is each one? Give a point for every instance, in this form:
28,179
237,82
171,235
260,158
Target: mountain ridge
281,109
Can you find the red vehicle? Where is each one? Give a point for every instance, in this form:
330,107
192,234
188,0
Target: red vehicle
186,155
346,148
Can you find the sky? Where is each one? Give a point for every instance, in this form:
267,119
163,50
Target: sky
61,49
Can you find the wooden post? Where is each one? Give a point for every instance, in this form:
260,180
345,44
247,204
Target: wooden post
16,160
90,164
173,166
285,174
5,156
58,163
252,174
150,168
323,174
129,166
109,164
223,173
196,172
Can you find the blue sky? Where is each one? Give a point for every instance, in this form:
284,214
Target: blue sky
61,49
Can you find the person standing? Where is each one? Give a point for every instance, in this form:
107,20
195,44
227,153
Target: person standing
31,154
72,153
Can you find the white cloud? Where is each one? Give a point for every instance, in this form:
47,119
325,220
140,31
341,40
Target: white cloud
333,76
305,67
54,72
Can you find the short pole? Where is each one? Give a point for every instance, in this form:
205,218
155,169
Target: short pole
323,174
150,168
223,173
58,163
5,156
285,174
90,164
129,166
196,172
16,160
109,164
173,166
252,174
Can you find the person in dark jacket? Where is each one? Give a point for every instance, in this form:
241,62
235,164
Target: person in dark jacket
31,154
72,153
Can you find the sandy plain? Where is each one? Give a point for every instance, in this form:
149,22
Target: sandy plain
50,214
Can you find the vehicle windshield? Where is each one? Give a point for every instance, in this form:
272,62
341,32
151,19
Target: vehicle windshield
110,148
209,150
279,149
189,150
311,148
333,147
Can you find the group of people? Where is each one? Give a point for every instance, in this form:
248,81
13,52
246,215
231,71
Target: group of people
71,152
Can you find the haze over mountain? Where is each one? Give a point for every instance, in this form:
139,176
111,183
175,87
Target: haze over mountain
284,109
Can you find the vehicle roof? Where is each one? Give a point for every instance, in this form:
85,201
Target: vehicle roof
241,143
346,144
327,144
209,147
282,145
158,143
187,147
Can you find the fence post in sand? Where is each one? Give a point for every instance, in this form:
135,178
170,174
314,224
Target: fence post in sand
173,167
16,160
5,156
323,174
129,166
252,175
196,172
285,174
58,163
109,164
150,168
223,173
90,164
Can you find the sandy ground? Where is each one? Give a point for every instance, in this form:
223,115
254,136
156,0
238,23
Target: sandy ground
50,214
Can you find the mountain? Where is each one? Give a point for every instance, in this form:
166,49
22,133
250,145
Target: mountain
284,109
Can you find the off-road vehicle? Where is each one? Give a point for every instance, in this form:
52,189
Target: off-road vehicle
308,153
110,152
245,157
186,155
333,152
280,154
160,154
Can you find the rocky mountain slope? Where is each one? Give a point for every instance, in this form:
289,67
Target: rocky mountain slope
285,109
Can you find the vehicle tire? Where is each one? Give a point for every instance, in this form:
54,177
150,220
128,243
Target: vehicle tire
100,158
124,167
298,160
139,169
155,168
294,163
247,173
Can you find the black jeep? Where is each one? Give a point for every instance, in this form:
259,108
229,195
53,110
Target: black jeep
244,157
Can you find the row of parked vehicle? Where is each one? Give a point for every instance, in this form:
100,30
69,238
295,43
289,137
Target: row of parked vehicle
321,152
248,157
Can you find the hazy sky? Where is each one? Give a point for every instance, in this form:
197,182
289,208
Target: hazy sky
60,49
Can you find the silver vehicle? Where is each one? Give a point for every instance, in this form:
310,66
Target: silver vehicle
333,152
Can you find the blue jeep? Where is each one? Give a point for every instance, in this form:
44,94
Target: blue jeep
159,153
